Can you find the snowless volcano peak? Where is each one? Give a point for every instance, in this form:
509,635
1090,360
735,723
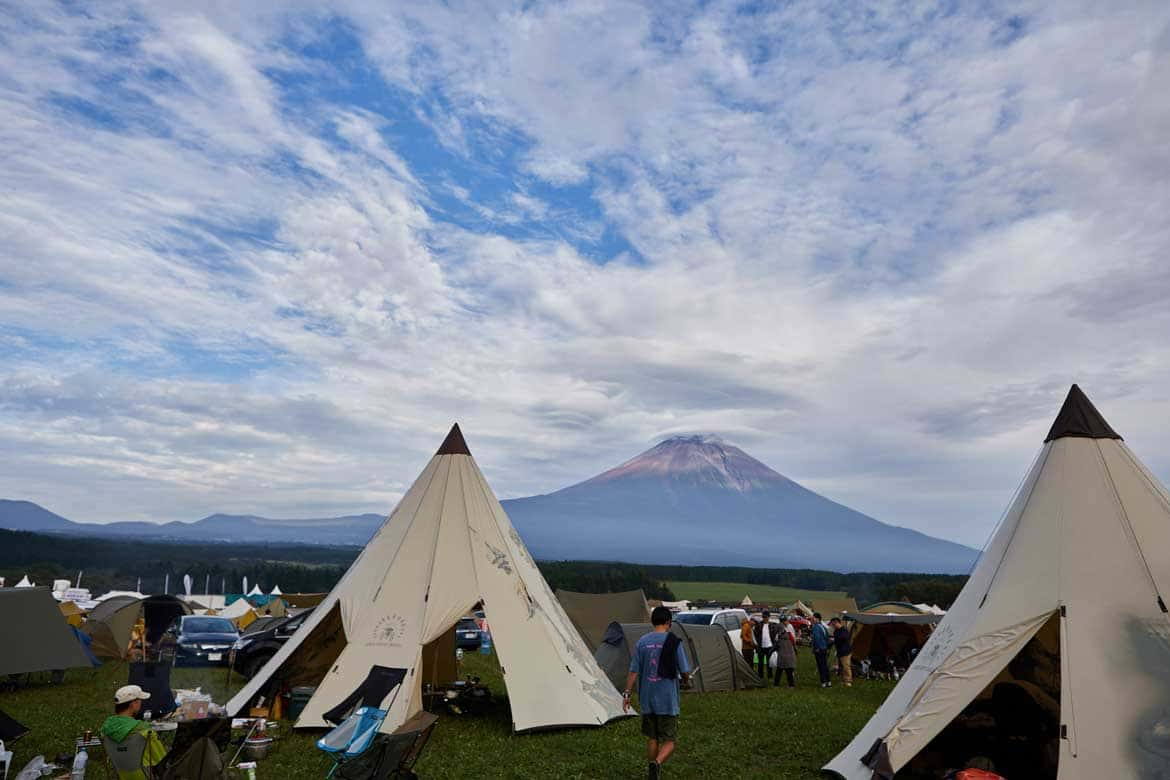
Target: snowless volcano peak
702,458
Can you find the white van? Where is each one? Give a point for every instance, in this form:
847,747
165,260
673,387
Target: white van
729,619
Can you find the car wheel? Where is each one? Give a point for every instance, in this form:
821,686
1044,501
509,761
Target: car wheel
254,665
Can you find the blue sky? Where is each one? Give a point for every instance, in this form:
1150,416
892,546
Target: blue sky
258,260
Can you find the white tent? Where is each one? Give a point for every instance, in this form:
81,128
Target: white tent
447,545
255,591
236,609
1065,611
276,591
747,601
24,582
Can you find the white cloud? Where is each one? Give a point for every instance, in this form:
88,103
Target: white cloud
873,249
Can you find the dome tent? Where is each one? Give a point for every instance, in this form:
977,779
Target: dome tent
447,545
110,624
591,613
36,636
1064,619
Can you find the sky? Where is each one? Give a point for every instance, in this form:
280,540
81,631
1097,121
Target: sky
258,260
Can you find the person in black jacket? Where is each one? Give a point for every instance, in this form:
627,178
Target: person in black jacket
768,636
843,642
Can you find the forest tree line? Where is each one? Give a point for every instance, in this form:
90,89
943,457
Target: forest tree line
118,564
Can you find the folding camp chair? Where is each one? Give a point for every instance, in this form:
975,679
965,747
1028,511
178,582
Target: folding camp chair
392,756
126,756
357,727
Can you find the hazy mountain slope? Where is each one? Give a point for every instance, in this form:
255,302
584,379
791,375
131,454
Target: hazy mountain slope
697,499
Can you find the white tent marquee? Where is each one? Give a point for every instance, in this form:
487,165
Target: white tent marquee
447,545
1067,606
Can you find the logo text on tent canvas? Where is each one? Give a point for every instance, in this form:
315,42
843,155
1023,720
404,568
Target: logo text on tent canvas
499,558
389,631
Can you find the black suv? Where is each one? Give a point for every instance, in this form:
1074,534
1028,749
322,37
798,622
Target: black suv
254,648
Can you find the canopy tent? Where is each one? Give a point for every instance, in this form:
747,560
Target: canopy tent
591,613
255,591
889,638
708,648
800,608
1060,638
447,546
833,607
275,591
36,636
110,624
24,582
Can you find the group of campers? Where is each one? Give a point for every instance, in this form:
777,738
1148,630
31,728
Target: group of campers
659,667
771,646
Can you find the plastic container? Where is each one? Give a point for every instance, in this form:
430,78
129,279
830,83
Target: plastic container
79,762
297,699
194,707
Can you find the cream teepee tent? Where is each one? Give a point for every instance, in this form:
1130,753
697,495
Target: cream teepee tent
1061,634
447,546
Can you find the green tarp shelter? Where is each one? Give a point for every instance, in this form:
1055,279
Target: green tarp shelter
591,613
721,667
36,636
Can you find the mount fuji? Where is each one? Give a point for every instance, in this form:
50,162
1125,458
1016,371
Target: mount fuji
699,500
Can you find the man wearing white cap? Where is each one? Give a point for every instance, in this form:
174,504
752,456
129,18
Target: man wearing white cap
124,722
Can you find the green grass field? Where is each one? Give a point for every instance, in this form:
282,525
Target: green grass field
733,592
721,734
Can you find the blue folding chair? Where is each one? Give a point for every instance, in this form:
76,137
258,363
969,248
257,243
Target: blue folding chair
355,732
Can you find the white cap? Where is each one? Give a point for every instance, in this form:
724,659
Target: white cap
128,693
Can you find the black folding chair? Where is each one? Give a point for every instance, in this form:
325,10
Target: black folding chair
155,679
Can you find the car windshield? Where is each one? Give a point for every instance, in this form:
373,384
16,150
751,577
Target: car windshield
690,617
208,625
467,624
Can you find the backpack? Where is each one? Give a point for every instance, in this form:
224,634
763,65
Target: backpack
668,658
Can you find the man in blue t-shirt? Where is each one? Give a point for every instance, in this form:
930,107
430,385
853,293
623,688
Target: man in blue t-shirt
657,677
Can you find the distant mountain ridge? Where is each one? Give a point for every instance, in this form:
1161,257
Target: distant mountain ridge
347,530
694,500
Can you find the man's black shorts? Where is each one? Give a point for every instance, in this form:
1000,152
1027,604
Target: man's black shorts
662,728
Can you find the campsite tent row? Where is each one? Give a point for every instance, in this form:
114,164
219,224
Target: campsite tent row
1061,635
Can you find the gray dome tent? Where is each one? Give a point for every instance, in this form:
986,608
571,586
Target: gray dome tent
720,666
36,636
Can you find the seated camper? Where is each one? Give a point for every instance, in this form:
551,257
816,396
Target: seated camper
132,746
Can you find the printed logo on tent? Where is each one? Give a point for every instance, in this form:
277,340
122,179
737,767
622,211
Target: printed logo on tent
389,631
498,558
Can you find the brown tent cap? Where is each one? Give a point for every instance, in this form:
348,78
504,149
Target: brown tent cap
1079,418
454,443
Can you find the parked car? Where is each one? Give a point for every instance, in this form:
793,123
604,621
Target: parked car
468,633
730,620
201,639
254,648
